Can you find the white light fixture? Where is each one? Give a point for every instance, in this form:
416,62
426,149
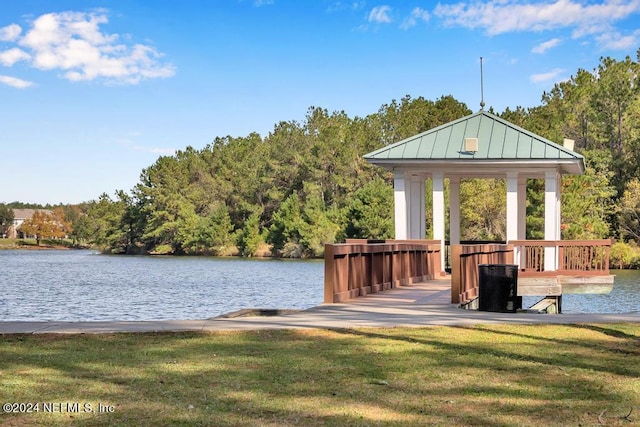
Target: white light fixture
470,145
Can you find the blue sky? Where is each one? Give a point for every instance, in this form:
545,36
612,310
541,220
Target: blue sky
93,91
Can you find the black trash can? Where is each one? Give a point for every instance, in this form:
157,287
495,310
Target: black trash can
498,288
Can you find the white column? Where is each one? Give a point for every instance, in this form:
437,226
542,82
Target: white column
512,212
423,208
559,208
522,207
416,208
400,205
551,217
520,256
454,211
438,212
512,206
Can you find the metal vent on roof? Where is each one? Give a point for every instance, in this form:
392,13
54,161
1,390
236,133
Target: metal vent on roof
471,145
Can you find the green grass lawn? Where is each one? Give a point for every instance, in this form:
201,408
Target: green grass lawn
31,243
487,375
6,243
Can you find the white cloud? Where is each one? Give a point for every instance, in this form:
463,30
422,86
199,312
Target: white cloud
417,14
13,55
10,32
616,41
259,3
73,43
545,77
152,150
380,15
338,6
156,150
503,16
130,144
545,46
15,82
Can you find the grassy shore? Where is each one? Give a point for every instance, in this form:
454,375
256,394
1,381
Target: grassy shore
32,244
488,375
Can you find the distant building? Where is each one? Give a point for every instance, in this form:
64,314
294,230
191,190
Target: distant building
20,216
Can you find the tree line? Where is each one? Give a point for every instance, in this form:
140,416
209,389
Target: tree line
306,184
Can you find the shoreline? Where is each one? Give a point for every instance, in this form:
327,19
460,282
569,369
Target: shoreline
422,304
36,248
232,254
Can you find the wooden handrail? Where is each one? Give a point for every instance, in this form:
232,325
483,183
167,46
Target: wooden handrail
550,243
583,257
358,268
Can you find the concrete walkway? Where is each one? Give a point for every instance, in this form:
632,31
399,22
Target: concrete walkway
423,304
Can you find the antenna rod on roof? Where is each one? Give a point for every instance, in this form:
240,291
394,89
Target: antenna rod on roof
481,87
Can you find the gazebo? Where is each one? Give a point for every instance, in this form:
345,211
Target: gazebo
481,145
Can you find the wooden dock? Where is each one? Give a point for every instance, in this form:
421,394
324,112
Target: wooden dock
558,285
548,269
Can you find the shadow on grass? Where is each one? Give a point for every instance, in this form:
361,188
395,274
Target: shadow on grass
441,376
608,330
557,352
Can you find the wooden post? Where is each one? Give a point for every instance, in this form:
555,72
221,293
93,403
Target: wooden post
456,251
329,273
336,274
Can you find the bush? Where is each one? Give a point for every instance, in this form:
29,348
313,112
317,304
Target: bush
162,250
292,250
623,255
635,263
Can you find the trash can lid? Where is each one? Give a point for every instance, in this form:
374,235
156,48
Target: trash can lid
497,265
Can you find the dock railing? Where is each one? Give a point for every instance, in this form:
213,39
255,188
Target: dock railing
447,249
572,257
360,267
465,260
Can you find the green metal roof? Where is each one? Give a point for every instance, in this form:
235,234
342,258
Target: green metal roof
497,140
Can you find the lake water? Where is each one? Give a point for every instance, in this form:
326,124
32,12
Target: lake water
624,298
83,285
